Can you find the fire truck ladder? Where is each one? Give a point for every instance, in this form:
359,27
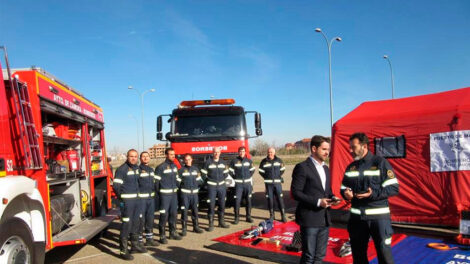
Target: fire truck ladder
28,132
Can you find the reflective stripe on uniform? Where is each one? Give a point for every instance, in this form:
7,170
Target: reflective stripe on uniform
126,219
144,195
190,191
130,173
352,174
221,166
261,170
252,168
388,241
166,190
225,171
167,171
128,195
238,165
144,174
158,177
372,173
215,183
242,181
376,211
212,166
277,164
230,169
118,181
194,173
162,211
389,182
204,171
186,174
182,207
198,179
282,169
343,187
355,211
267,165
152,194
272,181
246,164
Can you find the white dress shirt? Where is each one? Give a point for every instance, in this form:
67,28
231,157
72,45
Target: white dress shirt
321,172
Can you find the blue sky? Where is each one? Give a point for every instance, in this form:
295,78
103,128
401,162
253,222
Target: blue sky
264,54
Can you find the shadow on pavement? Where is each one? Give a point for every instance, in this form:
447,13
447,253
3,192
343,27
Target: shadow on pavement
183,255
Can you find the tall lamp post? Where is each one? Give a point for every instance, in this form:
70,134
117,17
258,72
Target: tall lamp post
391,74
329,43
142,109
136,128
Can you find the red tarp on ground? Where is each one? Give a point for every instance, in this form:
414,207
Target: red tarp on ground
425,197
285,231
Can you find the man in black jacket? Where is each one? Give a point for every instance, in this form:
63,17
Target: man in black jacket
311,188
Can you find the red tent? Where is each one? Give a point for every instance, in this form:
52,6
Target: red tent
434,198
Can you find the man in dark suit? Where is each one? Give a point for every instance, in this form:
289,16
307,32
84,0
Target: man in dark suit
311,188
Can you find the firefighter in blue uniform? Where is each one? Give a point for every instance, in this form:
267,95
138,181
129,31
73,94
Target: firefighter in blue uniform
368,182
241,169
215,172
271,169
190,182
167,181
126,187
147,197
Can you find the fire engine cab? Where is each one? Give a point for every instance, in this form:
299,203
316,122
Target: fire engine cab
54,185
196,127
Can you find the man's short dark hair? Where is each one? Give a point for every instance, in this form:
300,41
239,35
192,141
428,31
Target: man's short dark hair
143,152
131,150
168,150
242,147
363,139
317,140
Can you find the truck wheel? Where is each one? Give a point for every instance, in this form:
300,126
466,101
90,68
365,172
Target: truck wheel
16,243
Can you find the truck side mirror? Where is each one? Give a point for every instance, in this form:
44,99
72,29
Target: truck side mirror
258,129
159,135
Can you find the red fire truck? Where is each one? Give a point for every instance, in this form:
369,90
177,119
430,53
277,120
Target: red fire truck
196,127
54,185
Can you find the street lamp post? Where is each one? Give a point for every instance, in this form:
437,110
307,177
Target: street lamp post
391,74
329,43
136,128
142,109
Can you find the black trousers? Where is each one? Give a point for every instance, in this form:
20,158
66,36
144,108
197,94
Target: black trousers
168,209
216,193
243,191
189,201
148,216
359,233
314,244
130,216
274,190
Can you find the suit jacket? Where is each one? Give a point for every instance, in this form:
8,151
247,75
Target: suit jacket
306,189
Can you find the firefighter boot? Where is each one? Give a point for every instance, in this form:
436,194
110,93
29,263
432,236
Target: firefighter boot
163,239
173,234
248,212
141,241
135,245
149,242
237,216
184,225
211,223
196,226
222,221
283,215
124,251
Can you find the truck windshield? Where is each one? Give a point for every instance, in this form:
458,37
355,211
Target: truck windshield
220,126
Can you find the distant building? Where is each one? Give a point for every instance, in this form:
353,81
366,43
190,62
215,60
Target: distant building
157,151
289,146
304,143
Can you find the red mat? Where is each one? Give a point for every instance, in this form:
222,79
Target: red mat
285,231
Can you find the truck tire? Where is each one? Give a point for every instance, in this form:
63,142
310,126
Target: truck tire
101,206
16,242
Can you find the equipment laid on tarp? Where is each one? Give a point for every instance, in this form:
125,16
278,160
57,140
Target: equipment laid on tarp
427,141
269,249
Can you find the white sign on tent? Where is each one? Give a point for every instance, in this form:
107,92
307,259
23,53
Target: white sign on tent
450,151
